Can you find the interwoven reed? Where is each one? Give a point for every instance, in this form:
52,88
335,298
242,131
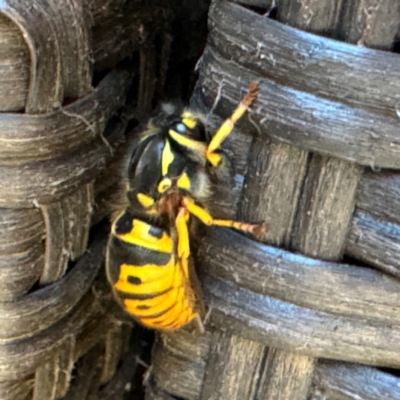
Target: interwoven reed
59,129
314,311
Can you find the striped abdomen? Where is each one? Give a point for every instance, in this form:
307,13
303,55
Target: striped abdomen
146,275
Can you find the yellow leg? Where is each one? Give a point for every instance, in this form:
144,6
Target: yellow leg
226,128
183,240
207,219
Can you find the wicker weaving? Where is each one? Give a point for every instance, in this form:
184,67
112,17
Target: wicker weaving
309,309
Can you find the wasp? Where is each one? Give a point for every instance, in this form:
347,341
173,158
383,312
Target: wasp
168,178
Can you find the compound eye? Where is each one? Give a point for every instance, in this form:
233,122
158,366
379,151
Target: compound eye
181,128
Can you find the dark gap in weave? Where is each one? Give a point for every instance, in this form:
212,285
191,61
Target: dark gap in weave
396,45
97,231
240,205
98,76
140,345
34,288
260,373
101,229
181,80
172,397
390,371
296,206
133,123
85,373
354,262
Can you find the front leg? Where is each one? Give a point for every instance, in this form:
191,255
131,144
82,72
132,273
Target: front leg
207,219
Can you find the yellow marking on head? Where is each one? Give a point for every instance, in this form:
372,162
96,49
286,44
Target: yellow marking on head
140,236
187,142
164,185
188,120
167,158
214,159
144,200
184,181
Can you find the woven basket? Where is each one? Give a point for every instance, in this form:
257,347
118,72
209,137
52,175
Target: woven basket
59,129
312,313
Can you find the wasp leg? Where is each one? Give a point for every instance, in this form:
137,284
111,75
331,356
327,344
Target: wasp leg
226,128
199,323
184,253
207,219
183,240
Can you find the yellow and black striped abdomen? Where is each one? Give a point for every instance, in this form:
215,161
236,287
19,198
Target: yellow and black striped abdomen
146,275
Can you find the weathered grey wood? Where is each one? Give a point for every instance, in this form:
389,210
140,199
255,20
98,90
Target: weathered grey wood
370,239
306,62
285,376
94,330
116,388
87,374
57,243
64,367
375,242
52,377
232,368
67,227
179,363
184,343
271,188
176,376
291,328
317,16
262,4
21,251
325,208
326,203
115,36
360,293
14,66
45,379
378,194
27,137
20,184
340,381
153,393
115,345
370,23
80,219
305,120
44,307
60,57
261,175
17,390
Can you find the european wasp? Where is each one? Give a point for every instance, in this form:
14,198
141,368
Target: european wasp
168,177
